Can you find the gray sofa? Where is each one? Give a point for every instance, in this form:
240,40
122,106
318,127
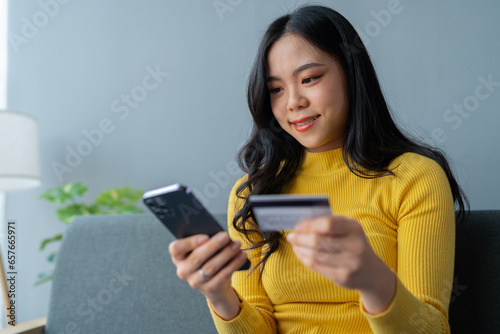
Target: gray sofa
114,275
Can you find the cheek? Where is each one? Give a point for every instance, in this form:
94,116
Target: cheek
278,112
324,97
335,102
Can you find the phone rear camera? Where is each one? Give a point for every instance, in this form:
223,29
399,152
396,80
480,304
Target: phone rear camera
161,201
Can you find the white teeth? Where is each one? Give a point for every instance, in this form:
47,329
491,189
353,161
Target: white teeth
306,122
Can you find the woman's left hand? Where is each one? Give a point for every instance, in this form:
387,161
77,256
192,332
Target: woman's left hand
337,248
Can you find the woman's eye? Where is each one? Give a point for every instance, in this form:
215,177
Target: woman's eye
310,79
275,90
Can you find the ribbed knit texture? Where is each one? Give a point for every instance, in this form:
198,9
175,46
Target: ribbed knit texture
409,221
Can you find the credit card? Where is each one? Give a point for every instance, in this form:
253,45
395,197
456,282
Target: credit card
283,212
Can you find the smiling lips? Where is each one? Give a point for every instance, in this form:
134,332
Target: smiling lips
305,123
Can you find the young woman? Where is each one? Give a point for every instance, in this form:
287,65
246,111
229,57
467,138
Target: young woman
383,261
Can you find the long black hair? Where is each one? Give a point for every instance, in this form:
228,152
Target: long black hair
271,157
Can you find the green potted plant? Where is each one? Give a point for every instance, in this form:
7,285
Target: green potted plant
111,201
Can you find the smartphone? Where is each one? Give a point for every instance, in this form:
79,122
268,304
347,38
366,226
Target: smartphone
181,212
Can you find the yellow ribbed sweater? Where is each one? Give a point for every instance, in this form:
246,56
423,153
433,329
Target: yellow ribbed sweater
408,219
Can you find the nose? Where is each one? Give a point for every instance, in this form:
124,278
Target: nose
296,99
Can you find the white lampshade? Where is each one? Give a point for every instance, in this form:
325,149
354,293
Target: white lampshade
19,155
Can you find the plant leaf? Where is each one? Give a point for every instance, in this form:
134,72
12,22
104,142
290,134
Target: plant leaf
70,212
75,189
47,241
52,257
43,278
55,196
94,209
119,197
64,193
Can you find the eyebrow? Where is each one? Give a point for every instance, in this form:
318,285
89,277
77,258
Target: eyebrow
296,72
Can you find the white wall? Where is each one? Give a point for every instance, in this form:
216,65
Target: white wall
70,70
3,53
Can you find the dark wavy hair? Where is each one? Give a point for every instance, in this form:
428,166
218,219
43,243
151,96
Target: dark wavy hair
271,157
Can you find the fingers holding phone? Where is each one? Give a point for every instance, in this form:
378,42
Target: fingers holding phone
207,264
204,255
181,248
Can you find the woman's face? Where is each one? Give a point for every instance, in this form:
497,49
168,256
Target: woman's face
308,93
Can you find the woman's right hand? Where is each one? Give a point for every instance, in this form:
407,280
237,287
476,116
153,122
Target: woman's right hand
217,257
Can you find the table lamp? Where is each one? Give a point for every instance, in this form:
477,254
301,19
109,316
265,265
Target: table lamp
19,167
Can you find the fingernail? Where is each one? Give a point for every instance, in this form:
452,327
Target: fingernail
236,245
290,236
201,239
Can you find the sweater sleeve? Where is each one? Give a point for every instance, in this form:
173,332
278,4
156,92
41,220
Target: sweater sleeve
426,246
256,310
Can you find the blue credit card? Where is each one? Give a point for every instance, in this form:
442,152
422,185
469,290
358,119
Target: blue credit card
283,212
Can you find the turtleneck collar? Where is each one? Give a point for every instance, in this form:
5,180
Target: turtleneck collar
322,162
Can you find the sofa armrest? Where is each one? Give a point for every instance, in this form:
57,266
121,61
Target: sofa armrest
29,327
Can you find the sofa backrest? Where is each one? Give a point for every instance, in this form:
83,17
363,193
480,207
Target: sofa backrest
114,275
475,297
